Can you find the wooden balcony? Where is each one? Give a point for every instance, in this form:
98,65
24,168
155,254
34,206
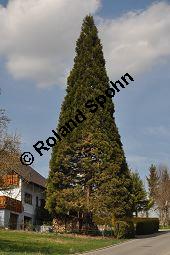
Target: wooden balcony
11,204
10,180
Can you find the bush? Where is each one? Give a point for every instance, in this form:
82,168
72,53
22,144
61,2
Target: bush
91,232
108,232
124,229
145,227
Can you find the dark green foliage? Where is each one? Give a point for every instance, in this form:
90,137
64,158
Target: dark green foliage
93,232
139,193
42,216
147,227
153,180
108,232
124,229
90,232
88,170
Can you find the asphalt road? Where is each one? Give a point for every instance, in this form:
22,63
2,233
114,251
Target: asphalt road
158,244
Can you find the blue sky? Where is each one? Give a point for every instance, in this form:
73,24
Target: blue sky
36,54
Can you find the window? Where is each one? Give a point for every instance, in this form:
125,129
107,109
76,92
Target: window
42,203
28,198
36,201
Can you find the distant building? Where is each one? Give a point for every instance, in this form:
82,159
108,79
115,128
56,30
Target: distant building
21,198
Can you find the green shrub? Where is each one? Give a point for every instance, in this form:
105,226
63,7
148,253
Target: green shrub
124,229
91,232
147,227
107,232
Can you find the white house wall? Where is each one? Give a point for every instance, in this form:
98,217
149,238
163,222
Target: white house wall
2,212
19,194
35,191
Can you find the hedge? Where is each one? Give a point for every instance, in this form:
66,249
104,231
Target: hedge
124,228
148,226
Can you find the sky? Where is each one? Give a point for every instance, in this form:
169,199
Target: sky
37,48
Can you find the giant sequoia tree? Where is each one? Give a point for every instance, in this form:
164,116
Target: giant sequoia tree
88,170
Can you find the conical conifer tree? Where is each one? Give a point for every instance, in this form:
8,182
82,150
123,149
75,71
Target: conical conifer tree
88,170
153,181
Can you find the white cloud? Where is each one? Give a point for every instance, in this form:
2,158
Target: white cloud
38,38
136,41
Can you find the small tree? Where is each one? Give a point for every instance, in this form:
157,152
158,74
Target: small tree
163,196
153,181
139,193
159,191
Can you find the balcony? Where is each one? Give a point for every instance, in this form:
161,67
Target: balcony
10,180
11,204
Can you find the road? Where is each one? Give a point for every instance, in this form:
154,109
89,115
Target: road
158,244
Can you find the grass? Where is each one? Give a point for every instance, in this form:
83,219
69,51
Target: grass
20,242
166,227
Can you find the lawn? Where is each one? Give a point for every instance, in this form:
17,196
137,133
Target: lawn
19,242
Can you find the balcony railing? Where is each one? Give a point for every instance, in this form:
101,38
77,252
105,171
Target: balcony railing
9,181
11,204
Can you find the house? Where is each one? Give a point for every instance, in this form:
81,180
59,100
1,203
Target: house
21,198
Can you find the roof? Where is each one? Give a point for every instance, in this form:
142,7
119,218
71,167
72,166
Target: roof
30,175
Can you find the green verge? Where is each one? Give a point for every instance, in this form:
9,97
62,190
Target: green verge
19,242
165,227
